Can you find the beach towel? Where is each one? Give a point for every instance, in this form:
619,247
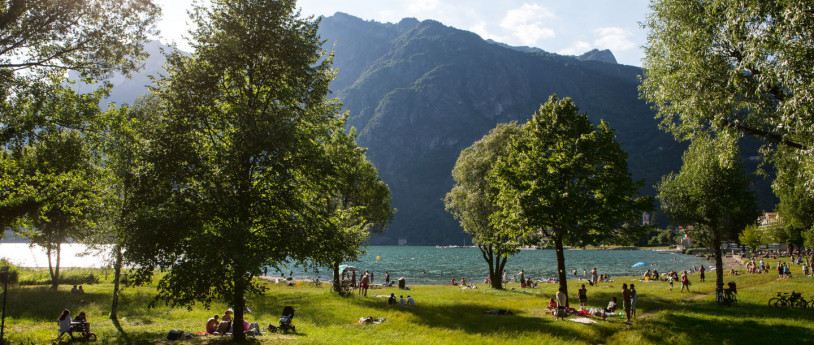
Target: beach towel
370,319
582,320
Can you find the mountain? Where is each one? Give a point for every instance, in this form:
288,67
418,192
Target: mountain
419,92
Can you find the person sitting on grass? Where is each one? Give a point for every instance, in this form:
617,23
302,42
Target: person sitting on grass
82,320
392,299
402,302
463,281
410,301
552,304
64,322
212,324
452,282
610,309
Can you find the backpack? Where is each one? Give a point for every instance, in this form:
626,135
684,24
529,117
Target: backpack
175,334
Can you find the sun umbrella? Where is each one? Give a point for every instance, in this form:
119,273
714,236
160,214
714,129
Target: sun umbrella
343,268
640,264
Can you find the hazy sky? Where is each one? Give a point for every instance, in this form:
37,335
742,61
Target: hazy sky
565,26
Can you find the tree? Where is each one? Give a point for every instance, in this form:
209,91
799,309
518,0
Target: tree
39,41
234,170
92,37
60,171
742,65
360,204
567,180
796,207
710,193
471,200
752,236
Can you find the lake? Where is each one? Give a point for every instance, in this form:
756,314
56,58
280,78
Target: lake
423,265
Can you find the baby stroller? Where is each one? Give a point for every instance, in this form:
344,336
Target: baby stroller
285,322
83,328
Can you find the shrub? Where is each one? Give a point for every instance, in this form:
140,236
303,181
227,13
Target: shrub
13,272
688,252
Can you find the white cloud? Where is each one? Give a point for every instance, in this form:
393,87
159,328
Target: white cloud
480,29
615,39
526,23
417,6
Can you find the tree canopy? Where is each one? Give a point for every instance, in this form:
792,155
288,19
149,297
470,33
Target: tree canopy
742,65
711,193
235,175
472,199
567,180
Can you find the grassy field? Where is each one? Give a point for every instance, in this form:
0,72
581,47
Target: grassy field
443,315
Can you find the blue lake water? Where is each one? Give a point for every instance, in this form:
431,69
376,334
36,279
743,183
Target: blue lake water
422,265
430,265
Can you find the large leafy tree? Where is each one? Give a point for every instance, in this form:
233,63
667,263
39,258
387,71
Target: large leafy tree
568,180
796,205
736,64
234,175
710,193
92,37
359,204
471,200
41,40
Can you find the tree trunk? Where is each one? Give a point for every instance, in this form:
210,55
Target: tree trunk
719,260
337,283
488,254
117,272
238,306
500,268
561,268
54,270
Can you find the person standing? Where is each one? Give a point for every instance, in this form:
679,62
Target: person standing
583,297
626,301
387,278
701,271
364,284
561,301
594,276
634,297
522,277
685,282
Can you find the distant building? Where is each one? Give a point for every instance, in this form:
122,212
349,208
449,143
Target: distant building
645,218
402,241
769,218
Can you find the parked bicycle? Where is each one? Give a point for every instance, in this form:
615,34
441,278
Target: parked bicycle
725,296
785,299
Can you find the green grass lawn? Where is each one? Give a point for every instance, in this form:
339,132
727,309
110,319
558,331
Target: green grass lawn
444,315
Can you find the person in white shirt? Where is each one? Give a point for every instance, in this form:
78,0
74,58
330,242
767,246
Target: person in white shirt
401,301
65,323
410,301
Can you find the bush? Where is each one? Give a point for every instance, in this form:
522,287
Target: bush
13,272
67,277
688,252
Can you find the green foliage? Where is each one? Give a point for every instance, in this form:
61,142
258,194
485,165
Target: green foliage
755,236
13,272
733,64
662,238
471,200
796,207
234,173
92,37
567,180
710,193
688,252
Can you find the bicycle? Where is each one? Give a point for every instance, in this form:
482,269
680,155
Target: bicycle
785,299
725,297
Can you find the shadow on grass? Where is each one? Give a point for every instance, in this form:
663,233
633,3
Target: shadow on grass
469,317
704,322
122,334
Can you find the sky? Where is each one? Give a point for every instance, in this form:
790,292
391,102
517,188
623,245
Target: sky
569,27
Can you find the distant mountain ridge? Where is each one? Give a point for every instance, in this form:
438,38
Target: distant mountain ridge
419,92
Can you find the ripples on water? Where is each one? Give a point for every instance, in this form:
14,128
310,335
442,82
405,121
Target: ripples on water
425,265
